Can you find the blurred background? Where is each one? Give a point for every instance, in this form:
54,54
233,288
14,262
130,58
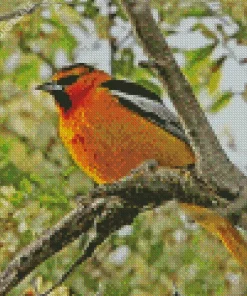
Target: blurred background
38,180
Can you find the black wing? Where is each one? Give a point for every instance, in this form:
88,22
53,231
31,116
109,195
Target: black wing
147,104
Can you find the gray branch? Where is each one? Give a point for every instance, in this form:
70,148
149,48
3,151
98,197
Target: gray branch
212,163
110,207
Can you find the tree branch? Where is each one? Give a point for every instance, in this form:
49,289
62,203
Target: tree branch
29,8
19,12
78,221
212,163
112,207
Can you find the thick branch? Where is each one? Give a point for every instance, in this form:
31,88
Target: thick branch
109,213
26,8
19,12
212,163
55,239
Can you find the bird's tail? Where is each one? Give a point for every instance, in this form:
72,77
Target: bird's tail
220,227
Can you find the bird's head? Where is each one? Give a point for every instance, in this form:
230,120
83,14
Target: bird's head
70,85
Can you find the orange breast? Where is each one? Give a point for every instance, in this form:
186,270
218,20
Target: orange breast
107,140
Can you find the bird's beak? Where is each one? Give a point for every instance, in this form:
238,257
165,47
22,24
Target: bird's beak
49,86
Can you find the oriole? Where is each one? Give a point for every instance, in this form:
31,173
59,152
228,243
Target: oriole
112,126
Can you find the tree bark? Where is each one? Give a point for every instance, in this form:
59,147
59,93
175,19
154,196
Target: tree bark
109,207
212,163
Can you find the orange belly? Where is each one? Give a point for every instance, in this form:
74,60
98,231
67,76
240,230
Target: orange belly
107,140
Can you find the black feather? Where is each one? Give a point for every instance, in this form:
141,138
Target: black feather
131,88
68,80
62,98
146,104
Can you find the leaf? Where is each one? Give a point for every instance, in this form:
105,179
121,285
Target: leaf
244,93
195,11
26,185
214,82
140,73
198,73
17,198
120,11
125,65
221,102
121,288
216,74
240,35
155,88
102,25
90,9
89,281
5,146
68,14
10,175
50,200
194,56
25,73
4,52
205,31
218,63
64,38
156,251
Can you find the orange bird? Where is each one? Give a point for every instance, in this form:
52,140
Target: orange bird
112,126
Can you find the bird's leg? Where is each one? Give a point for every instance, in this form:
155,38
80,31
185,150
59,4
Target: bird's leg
148,167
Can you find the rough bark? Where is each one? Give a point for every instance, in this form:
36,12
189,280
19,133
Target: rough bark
109,208
212,163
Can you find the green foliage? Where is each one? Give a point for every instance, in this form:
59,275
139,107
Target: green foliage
26,73
64,39
203,72
10,175
121,289
151,86
188,256
124,67
221,101
4,53
195,56
119,10
90,9
205,31
102,25
241,34
156,250
90,282
125,64
195,11
215,77
29,186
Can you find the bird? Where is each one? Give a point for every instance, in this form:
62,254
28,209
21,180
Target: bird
112,126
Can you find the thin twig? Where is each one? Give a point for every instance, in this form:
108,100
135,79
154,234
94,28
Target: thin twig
24,11
19,12
87,254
